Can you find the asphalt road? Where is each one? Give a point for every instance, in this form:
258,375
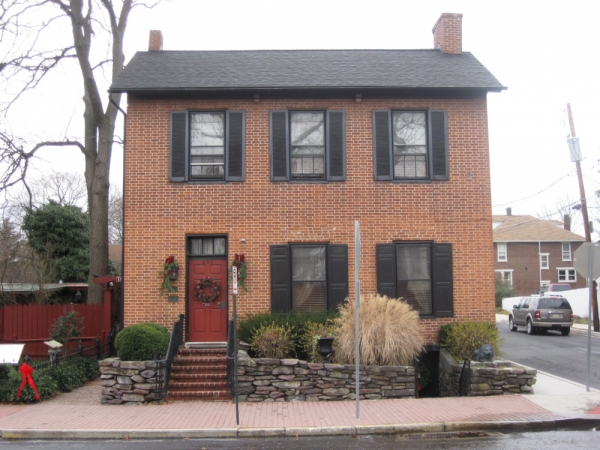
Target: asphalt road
550,440
563,356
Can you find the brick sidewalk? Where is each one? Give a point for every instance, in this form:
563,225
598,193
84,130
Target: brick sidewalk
221,415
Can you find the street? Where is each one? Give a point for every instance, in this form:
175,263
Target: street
548,440
563,356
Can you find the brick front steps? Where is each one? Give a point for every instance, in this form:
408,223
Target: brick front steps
199,374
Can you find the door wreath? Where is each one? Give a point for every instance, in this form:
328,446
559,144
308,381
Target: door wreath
202,290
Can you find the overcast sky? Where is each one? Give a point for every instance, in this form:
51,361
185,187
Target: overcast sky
545,52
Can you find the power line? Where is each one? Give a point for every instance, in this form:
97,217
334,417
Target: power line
533,195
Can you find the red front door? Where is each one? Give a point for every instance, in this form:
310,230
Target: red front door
207,320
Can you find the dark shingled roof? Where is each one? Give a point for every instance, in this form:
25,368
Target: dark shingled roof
303,69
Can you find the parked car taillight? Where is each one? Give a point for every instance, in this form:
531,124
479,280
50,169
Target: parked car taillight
537,314
571,315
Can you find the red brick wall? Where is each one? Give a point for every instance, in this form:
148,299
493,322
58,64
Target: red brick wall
159,214
523,259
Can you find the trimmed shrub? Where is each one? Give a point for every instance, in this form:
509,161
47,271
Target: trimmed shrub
139,342
297,322
463,338
389,332
273,341
313,332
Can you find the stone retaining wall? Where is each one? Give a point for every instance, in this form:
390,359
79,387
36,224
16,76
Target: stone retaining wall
278,380
131,382
497,378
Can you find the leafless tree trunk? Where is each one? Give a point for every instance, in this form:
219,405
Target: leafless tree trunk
31,65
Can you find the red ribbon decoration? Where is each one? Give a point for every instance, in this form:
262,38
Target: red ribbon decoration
26,371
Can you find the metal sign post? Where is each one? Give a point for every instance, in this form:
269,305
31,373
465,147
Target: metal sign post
587,263
235,349
357,312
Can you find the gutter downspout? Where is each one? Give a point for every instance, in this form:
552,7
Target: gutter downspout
122,308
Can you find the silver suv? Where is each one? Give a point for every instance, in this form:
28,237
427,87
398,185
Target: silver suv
542,314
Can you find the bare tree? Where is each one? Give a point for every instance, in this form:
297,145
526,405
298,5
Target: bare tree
22,24
564,205
115,216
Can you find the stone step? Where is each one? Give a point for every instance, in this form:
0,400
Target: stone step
199,376
196,385
204,351
214,395
199,359
192,368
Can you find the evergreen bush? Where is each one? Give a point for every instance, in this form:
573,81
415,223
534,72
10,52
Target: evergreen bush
141,341
274,341
463,338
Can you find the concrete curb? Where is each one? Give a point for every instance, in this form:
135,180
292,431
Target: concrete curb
571,423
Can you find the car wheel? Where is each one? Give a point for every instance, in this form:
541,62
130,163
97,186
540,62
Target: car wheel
530,329
565,331
511,324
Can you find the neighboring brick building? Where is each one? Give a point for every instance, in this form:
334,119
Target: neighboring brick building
530,252
275,154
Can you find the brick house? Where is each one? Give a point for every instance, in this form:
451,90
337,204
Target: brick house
530,252
275,154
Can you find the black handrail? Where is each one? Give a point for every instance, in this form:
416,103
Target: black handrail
230,359
417,376
163,367
464,382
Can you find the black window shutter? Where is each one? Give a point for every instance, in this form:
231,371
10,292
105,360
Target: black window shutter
443,303
337,275
386,269
382,145
336,146
281,285
178,150
235,146
279,146
439,144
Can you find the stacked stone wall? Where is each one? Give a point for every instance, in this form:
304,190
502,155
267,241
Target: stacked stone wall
132,382
496,378
278,380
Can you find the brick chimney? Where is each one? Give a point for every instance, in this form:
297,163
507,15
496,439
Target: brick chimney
447,33
509,211
567,222
156,41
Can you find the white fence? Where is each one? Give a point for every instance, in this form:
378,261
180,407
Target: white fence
578,298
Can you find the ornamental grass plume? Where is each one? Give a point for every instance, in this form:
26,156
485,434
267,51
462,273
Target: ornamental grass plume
389,332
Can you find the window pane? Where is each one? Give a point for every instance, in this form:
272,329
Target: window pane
409,128
207,171
417,294
219,246
410,166
196,247
308,128
308,263
413,268
206,151
207,129
309,296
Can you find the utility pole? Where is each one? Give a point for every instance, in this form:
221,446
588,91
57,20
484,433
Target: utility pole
576,157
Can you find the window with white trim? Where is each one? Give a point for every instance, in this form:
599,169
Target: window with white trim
505,275
502,255
544,261
566,251
567,274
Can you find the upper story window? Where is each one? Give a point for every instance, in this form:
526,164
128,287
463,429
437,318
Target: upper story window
566,251
544,261
307,130
308,146
410,145
207,146
502,254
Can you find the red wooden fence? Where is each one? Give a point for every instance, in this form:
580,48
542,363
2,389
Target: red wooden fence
30,324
